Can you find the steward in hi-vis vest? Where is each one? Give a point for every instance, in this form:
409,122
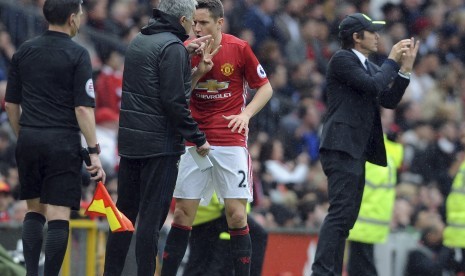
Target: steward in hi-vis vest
454,233
372,225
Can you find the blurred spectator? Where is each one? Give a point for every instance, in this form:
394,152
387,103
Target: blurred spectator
312,210
308,133
401,217
5,201
340,11
18,211
269,53
430,257
288,20
112,188
268,118
234,15
449,43
99,22
22,20
97,16
7,148
391,11
423,30
434,162
408,113
281,172
416,139
436,15
260,20
107,122
421,79
121,17
7,49
443,96
109,82
411,11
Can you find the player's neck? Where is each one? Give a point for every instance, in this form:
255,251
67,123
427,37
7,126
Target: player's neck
218,39
61,29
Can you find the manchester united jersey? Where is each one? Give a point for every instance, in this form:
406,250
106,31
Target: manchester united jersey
222,91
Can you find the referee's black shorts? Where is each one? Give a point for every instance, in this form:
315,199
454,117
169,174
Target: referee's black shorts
49,166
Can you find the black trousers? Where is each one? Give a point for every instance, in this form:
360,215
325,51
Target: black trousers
346,180
361,259
145,189
211,256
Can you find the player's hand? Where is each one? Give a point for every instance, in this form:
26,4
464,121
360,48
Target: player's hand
204,149
95,169
409,55
195,45
238,122
207,53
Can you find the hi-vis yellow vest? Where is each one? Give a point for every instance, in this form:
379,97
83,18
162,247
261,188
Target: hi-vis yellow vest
210,212
372,225
454,233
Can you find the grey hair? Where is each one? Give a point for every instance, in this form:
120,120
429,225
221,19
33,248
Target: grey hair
178,8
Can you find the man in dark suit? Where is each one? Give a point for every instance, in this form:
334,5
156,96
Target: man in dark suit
352,132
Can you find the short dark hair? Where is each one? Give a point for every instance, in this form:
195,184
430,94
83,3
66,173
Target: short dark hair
347,42
214,6
56,12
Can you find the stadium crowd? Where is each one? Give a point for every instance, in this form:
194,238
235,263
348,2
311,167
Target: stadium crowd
294,40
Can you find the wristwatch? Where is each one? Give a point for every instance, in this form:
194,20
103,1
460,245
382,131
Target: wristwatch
94,150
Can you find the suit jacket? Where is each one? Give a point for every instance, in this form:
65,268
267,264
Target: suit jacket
354,96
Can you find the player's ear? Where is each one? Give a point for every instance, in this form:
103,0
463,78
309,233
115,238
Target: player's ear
72,19
182,20
356,37
220,23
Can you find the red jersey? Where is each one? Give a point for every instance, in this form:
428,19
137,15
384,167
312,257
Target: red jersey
222,91
108,89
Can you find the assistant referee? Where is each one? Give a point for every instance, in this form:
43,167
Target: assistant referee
49,100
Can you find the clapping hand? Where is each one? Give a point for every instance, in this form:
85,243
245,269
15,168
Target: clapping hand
399,49
409,55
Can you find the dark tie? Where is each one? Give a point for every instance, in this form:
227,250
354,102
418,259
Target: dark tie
367,64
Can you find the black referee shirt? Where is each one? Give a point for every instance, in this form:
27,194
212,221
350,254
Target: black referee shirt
50,75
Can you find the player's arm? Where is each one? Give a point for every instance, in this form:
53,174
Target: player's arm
241,122
13,95
14,113
256,79
260,99
84,103
86,120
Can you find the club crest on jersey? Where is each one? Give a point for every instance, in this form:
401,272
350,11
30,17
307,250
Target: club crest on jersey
90,88
212,86
261,72
227,69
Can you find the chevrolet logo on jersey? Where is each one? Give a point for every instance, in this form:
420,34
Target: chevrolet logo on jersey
212,86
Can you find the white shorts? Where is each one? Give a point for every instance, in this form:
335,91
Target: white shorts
230,176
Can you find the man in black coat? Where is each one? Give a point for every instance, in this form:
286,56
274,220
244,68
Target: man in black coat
352,132
154,122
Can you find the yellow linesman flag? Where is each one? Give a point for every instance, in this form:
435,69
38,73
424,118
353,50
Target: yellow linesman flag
103,206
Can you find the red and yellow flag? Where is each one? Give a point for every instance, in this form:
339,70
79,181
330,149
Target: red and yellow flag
103,206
